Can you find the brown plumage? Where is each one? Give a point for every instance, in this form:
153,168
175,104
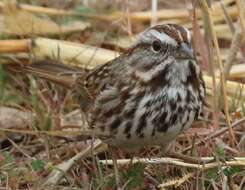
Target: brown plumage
146,96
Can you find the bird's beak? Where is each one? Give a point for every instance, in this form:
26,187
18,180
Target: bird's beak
186,51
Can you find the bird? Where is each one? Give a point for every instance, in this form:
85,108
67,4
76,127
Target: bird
147,96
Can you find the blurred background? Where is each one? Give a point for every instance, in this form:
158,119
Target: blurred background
41,125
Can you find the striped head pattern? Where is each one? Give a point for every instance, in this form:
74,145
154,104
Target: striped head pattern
157,48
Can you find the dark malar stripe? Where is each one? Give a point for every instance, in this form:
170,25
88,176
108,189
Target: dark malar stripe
160,80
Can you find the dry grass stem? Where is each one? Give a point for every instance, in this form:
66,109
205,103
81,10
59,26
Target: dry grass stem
222,74
71,53
237,161
14,46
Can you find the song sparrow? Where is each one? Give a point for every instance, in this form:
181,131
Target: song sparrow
149,94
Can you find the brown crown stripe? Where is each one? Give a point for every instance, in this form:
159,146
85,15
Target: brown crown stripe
174,31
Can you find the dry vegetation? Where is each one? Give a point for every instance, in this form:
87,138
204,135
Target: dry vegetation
42,128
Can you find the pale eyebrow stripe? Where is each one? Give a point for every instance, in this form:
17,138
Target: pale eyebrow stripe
163,37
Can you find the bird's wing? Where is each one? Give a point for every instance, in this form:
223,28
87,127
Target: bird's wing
105,76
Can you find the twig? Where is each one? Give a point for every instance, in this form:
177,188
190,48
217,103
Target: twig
19,149
54,177
237,161
216,134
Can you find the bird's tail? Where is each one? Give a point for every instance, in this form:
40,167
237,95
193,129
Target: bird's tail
56,72
66,76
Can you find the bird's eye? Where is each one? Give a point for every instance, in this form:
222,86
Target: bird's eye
156,46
